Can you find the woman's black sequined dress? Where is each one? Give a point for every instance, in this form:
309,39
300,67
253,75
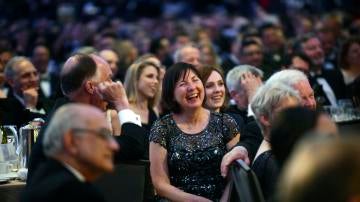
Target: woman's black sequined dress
194,159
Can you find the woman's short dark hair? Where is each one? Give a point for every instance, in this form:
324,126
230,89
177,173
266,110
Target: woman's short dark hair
171,77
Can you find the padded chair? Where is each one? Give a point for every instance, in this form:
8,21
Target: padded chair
244,185
130,182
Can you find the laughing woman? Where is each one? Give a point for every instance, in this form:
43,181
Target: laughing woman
187,145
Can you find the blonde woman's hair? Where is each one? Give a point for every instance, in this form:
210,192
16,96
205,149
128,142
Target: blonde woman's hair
132,79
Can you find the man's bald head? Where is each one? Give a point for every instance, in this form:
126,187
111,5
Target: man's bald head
76,70
103,68
99,60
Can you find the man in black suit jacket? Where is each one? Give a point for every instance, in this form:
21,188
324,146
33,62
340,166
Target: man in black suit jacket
87,79
330,81
243,82
25,100
80,148
12,112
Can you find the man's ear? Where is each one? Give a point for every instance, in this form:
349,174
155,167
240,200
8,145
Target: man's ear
10,82
69,142
265,121
89,87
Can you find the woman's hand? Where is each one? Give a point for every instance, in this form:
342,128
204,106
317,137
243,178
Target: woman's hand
238,152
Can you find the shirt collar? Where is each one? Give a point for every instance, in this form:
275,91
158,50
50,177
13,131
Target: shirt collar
75,172
18,97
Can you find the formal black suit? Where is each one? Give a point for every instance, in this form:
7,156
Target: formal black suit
235,112
53,182
335,80
43,102
131,141
251,138
12,112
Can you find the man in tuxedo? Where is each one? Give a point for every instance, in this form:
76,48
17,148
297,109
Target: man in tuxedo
87,79
299,82
25,100
80,148
329,83
48,71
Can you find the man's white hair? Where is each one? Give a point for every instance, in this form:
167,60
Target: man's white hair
67,117
233,77
9,69
288,77
268,97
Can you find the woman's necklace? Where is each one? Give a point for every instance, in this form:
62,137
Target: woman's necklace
192,125
195,126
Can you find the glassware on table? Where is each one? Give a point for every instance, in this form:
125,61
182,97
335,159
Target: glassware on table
9,148
342,114
28,136
345,103
5,168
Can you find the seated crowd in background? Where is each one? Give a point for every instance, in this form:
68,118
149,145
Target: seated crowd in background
181,92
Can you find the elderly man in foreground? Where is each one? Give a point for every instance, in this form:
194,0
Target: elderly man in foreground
80,148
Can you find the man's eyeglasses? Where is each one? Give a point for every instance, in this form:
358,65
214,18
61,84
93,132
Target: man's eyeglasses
103,133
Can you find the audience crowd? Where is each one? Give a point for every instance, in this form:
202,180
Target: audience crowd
191,87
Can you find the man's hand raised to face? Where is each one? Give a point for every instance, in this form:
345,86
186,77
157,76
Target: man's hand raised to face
30,97
114,93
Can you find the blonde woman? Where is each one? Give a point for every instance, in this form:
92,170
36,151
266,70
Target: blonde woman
142,88
153,59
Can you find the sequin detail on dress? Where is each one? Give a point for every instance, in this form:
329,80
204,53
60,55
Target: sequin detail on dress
194,159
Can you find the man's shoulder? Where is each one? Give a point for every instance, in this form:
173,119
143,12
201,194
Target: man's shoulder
51,171
70,190
9,103
333,75
53,182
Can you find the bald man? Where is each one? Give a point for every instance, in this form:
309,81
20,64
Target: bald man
87,79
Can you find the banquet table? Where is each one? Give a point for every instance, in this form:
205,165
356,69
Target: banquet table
349,127
10,190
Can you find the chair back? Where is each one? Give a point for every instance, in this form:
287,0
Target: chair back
130,182
244,185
